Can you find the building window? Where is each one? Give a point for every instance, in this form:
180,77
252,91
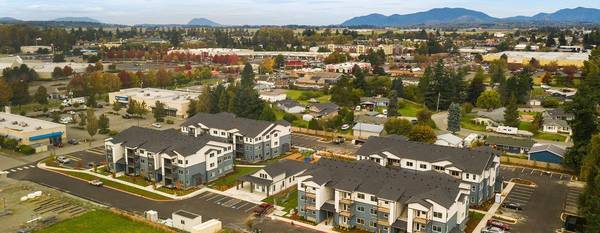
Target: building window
360,196
374,198
360,221
182,221
437,215
211,155
473,188
454,173
437,228
372,224
409,164
467,175
373,211
438,168
423,166
360,209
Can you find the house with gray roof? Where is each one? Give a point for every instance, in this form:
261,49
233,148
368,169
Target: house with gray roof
477,167
273,178
318,110
253,140
291,106
556,121
169,157
365,195
510,144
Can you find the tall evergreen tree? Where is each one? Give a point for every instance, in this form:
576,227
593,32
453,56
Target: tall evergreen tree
454,118
247,76
511,113
584,125
393,104
267,114
476,87
398,86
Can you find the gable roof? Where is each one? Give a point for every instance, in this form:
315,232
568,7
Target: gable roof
159,141
387,183
285,166
289,103
450,138
368,127
473,160
548,147
228,121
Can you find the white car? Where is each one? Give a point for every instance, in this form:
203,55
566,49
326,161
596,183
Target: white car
63,159
156,125
96,183
345,127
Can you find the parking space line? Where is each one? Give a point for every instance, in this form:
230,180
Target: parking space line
25,167
215,196
252,207
7,171
206,195
13,170
20,169
218,201
31,166
245,203
231,203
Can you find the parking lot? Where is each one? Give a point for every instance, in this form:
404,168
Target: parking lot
227,202
318,143
86,159
542,205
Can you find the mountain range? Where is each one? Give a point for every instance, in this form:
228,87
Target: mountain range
449,16
76,19
203,22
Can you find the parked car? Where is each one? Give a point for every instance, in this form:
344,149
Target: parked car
512,205
156,125
339,140
493,230
63,159
263,209
73,141
345,127
498,224
97,183
58,144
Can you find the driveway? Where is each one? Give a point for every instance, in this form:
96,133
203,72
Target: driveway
233,212
542,205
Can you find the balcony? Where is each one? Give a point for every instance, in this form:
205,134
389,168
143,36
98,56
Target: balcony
421,220
383,209
310,206
383,222
346,200
310,195
346,213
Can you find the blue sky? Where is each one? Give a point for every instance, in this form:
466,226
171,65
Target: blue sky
275,12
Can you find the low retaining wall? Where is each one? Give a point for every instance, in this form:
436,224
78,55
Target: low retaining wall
534,164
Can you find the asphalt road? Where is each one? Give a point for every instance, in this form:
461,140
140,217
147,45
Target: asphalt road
542,205
232,212
313,142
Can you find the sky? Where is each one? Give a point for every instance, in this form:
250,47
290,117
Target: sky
262,12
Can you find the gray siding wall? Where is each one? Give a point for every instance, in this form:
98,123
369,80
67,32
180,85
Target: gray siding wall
365,215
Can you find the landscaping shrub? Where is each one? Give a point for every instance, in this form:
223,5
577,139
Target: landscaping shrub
170,122
25,149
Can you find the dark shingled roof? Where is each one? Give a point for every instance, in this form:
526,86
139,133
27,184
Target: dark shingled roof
387,183
229,121
474,160
509,141
166,141
289,167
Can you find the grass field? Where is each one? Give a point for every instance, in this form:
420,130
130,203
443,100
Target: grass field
229,180
287,199
467,122
295,95
551,137
474,219
410,109
101,221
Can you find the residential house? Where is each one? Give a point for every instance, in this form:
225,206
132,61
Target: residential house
272,95
319,110
372,102
450,140
366,130
556,121
169,157
374,198
546,153
510,144
273,178
478,168
253,140
291,106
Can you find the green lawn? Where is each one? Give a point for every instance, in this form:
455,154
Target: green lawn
116,185
551,137
474,219
409,109
466,122
17,109
229,180
295,95
101,221
287,199
525,125
135,180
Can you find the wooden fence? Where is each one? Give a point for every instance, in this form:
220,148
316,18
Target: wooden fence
534,164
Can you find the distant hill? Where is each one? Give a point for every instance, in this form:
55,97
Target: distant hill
449,16
202,22
9,20
76,19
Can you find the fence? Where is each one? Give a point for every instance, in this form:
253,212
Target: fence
321,133
534,164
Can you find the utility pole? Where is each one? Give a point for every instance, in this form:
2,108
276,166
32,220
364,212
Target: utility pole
437,107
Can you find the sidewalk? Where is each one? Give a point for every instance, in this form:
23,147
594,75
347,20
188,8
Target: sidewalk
320,227
492,211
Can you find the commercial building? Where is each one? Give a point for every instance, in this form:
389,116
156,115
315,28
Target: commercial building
169,157
176,102
347,67
252,140
35,48
251,54
31,131
374,198
545,58
477,168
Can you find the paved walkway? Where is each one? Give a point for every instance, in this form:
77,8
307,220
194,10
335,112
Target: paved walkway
320,227
245,194
492,211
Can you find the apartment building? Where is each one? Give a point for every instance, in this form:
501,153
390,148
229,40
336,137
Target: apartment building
374,198
476,167
169,157
252,140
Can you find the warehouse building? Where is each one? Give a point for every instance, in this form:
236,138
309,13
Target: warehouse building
176,102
